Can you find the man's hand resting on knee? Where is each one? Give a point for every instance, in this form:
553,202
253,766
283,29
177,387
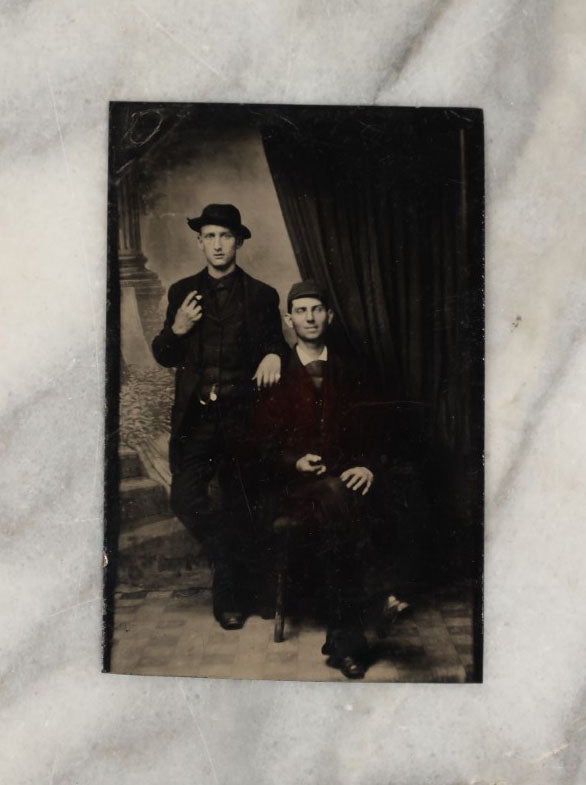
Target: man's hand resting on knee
359,477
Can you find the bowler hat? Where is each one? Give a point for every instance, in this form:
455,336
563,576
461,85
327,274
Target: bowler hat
220,215
307,288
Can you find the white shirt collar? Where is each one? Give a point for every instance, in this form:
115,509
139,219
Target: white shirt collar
305,359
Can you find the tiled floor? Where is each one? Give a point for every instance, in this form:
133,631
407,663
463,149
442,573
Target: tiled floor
174,633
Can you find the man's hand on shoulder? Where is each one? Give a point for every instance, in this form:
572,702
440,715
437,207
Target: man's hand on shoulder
310,464
188,313
268,371
359,477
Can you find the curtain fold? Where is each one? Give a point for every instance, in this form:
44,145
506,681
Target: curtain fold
377,211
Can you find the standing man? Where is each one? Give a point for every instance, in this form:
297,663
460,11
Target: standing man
223,334
309,427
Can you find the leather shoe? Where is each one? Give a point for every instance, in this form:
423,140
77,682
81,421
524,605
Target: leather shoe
393,608
231,620
351,668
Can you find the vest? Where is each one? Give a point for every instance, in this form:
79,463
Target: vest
315,371
224,372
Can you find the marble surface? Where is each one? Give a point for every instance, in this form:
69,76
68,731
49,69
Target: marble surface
61,720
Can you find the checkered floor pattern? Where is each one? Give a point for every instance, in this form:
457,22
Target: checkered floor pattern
173,633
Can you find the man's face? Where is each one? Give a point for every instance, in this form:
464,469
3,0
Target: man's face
219,245
309,318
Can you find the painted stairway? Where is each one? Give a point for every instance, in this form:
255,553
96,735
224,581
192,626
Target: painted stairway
154,549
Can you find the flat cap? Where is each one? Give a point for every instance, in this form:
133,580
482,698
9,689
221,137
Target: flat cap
308,288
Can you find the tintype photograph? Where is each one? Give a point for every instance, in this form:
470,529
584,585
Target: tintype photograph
294,427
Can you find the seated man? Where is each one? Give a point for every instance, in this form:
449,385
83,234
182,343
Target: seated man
326,480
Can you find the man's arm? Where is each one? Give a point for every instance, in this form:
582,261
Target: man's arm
359,475
272,329
170,345
272,428
273,347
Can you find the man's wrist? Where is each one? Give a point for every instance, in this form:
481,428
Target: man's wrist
170,333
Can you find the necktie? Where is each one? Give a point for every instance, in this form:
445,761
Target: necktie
316,370
221,295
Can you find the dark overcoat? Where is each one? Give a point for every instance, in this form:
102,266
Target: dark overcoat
286,422
264,335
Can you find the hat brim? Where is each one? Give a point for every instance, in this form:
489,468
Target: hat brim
316,295
240,231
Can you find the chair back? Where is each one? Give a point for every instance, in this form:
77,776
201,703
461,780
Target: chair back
392,430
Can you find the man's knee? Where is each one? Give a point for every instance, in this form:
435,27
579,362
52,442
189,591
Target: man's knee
333,489
191,505
332,500
185,503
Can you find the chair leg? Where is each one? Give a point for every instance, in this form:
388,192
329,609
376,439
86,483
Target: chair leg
278,635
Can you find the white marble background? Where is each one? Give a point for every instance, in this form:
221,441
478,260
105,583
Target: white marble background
61,720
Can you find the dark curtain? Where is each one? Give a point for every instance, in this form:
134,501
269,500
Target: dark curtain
378,211
384,208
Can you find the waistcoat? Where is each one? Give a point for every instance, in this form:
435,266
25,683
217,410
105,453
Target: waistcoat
224,372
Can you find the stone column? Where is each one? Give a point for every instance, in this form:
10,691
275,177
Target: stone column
140,288
133,271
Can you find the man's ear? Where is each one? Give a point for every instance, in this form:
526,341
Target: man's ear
288,320
239,242
199,240
330,316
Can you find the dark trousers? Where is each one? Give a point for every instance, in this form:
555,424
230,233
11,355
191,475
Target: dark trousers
218,442
328,522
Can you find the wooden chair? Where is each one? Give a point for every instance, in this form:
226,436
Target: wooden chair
390,431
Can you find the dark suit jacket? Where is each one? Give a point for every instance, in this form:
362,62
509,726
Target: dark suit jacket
264,336
286,422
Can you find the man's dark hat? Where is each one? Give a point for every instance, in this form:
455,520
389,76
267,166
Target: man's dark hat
308,288
220,215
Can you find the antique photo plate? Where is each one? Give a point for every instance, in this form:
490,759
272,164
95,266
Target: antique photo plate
225,556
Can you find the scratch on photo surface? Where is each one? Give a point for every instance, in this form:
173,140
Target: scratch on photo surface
79,234
136,118
179,43
291,123
291,53
411,47
199,730
76,605
551,753
53,769
549,382
502,20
